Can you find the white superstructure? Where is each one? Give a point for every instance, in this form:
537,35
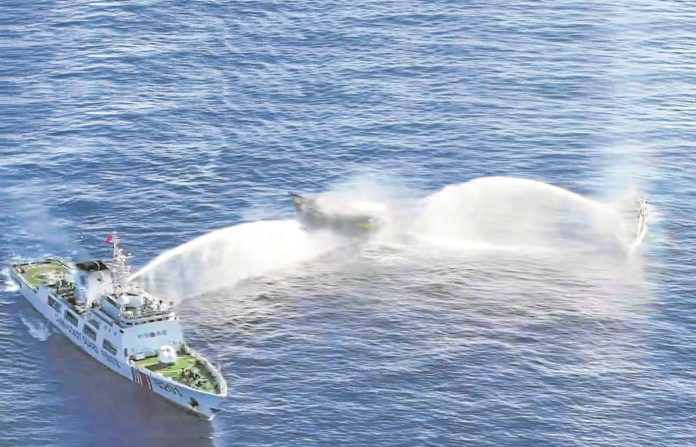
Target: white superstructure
130,331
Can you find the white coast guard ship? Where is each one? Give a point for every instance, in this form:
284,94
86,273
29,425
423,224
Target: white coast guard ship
122,326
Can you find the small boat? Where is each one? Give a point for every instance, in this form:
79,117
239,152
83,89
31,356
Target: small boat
642,210
315,216
131,332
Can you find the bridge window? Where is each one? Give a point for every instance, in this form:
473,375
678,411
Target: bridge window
72,319
109,347
54,304
88,331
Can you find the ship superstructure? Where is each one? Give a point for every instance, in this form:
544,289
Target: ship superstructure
133,333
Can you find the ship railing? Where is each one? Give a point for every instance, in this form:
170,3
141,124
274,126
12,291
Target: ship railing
219,380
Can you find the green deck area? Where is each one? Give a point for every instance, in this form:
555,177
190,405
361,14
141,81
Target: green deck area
186,370
35,273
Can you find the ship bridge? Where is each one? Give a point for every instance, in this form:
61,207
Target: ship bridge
132,309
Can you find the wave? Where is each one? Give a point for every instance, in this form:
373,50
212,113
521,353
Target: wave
38,328
8,285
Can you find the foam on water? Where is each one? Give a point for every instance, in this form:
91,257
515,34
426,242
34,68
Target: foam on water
8,285
38,328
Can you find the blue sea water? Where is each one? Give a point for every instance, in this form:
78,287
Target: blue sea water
166,120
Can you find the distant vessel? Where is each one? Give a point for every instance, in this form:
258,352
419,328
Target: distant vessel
642,208
354,222
133,333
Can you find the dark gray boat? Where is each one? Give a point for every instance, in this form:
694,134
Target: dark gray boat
313,217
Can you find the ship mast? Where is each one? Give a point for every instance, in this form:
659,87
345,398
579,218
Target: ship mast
120,269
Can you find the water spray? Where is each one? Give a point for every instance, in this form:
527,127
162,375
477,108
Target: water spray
490,213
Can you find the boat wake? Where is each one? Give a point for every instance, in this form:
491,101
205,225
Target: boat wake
38,328
490,214
8,285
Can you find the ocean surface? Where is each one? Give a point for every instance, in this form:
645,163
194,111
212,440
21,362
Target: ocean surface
489,312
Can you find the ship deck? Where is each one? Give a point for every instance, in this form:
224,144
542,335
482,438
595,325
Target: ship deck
35,272
185,370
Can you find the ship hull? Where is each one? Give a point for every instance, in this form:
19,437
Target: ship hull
198,402
313,217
